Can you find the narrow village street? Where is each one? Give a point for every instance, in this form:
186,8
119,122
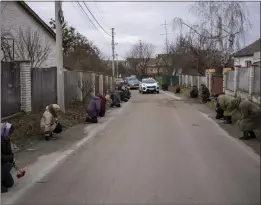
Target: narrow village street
157,151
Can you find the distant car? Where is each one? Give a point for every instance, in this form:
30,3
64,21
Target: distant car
133,83
148,85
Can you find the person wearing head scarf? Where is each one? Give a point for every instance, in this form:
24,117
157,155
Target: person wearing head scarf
93,110
115,99
194,92
49,122
205,94
250,119
103,105
7,157
224,107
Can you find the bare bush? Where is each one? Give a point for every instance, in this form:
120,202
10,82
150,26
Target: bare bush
7,45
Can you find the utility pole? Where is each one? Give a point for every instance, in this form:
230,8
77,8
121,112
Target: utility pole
117,66
59,54
140,53
113,50
166,35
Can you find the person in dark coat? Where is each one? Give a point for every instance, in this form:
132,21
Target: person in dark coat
116,100
194,92
103,105
7,157
177,90
93,110
205,94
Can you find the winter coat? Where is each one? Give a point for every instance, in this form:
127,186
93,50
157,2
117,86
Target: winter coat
250,116
94,107
116,99
194,92
204,93
228,104
48,120
6,149
103,105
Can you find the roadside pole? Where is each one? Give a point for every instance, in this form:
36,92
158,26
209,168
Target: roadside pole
59,55
0,70
117,67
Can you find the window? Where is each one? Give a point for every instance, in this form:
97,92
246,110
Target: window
248,63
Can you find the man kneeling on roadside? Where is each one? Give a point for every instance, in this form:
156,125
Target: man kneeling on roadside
116,100
93,110
225,109
49,121
7,157
194,92
250,118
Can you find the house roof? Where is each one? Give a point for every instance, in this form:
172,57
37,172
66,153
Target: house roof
249,50
36,17
190,71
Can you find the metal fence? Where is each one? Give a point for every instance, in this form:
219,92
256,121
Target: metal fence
71,86
230,80
44,87
243,74
11,90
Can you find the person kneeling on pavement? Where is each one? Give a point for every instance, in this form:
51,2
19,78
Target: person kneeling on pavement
177,91
7,157
103,105
116,100
49,121
205,94
250,118
93,110
224,107
194,92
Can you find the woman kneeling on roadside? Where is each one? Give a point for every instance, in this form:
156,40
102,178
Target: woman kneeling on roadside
49,122
93,110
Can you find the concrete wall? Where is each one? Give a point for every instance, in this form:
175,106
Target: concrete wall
14,16
243,79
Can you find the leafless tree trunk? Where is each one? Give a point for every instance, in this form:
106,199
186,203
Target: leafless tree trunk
86,87
30,46
7,45
139,57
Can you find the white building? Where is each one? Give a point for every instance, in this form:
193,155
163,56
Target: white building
18,16
248,55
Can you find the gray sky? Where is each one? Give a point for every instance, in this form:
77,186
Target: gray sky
132,21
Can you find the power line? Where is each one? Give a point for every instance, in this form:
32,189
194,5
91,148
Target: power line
81,12
86,15
96,20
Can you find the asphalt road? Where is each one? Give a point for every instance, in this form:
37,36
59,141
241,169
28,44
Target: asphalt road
158,151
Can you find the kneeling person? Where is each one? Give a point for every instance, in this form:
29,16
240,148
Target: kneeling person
194,92
49,122
93,110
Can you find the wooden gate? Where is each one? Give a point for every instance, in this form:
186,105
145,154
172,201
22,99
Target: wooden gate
44,87
10,90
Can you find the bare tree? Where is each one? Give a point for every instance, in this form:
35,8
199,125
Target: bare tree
7,45
139,57
86,87
217,34
30,46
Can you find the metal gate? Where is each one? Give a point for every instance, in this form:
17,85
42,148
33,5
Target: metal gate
44,87
97,84
10,90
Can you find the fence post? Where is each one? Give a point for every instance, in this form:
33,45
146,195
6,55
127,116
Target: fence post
93,82
107,83
251,80
79,84
224,81
198,85
110,83
25,84
236,81
101,83
210,82
180,79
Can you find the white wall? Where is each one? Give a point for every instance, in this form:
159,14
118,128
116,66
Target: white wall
13,16
242,60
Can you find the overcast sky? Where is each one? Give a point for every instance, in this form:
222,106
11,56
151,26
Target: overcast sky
132,21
